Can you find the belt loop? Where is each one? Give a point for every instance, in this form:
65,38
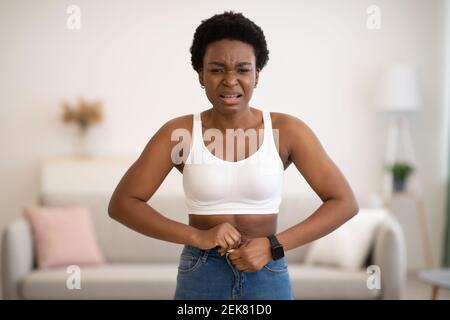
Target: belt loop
204,255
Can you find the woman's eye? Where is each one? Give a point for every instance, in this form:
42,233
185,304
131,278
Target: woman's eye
217,71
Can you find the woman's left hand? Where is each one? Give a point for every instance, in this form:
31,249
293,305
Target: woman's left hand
252,255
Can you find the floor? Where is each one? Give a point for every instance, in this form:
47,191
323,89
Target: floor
418,290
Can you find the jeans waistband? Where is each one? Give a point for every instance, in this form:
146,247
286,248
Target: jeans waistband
197,251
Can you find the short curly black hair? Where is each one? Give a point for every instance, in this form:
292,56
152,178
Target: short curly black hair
228,25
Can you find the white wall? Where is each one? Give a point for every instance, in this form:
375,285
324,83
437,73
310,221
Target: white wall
134,56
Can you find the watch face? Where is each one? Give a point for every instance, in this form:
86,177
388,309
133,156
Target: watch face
277,252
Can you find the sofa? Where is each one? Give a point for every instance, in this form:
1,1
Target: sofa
139,267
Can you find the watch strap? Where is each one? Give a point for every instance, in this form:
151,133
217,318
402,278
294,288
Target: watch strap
273,241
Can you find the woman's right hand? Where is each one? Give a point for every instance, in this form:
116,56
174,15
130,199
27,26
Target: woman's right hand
224,235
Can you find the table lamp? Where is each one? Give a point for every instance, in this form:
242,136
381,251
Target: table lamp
398,95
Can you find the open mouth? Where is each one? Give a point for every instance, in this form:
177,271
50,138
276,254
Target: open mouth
230,98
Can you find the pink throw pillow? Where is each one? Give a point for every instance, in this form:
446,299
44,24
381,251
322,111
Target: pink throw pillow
63,236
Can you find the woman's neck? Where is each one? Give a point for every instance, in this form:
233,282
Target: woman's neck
240,120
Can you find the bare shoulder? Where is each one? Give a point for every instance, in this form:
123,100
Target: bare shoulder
181,122
286,121
170,129
173,134
292,132
167,136
147,173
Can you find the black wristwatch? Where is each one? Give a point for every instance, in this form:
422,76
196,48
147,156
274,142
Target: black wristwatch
276,248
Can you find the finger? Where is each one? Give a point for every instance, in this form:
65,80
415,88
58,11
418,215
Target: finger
223,245
232,228
245,243
230,241
234,254
237,260
235,232
240,266
237,239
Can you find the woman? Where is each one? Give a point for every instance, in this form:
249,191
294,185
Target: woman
232,248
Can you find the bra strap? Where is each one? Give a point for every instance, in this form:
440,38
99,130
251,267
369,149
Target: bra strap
197,130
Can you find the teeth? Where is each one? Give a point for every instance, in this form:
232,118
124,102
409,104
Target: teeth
230,96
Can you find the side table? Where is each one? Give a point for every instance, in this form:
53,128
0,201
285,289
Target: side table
438,278
421,221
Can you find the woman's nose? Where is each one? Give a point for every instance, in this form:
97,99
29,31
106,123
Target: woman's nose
230,78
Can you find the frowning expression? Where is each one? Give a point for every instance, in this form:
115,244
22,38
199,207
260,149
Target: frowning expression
229,74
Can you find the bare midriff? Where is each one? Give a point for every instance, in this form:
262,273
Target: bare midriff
249,225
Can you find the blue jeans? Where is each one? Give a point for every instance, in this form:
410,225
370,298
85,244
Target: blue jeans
206,275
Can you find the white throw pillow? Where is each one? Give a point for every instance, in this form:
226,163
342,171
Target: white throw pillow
348,246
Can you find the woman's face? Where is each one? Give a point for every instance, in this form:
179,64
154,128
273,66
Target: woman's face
229,74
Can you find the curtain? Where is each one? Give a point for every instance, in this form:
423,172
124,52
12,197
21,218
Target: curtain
447,236
446,255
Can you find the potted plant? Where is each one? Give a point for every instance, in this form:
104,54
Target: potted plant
400,173
84,114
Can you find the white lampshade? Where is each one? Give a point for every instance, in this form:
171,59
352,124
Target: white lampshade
399,89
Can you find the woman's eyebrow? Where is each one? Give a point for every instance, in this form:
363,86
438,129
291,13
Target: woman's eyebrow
240,64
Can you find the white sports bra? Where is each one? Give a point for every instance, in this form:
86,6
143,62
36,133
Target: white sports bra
249,186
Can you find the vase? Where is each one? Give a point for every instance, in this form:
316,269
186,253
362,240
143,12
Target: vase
82,145
399,185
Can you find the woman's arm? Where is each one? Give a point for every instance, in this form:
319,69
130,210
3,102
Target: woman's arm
325,178
339,203
128,204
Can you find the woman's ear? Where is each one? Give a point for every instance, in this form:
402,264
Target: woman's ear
257,77
200,77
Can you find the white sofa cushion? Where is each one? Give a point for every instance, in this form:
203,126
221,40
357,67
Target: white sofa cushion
348,247
112,281
158,281
322,282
